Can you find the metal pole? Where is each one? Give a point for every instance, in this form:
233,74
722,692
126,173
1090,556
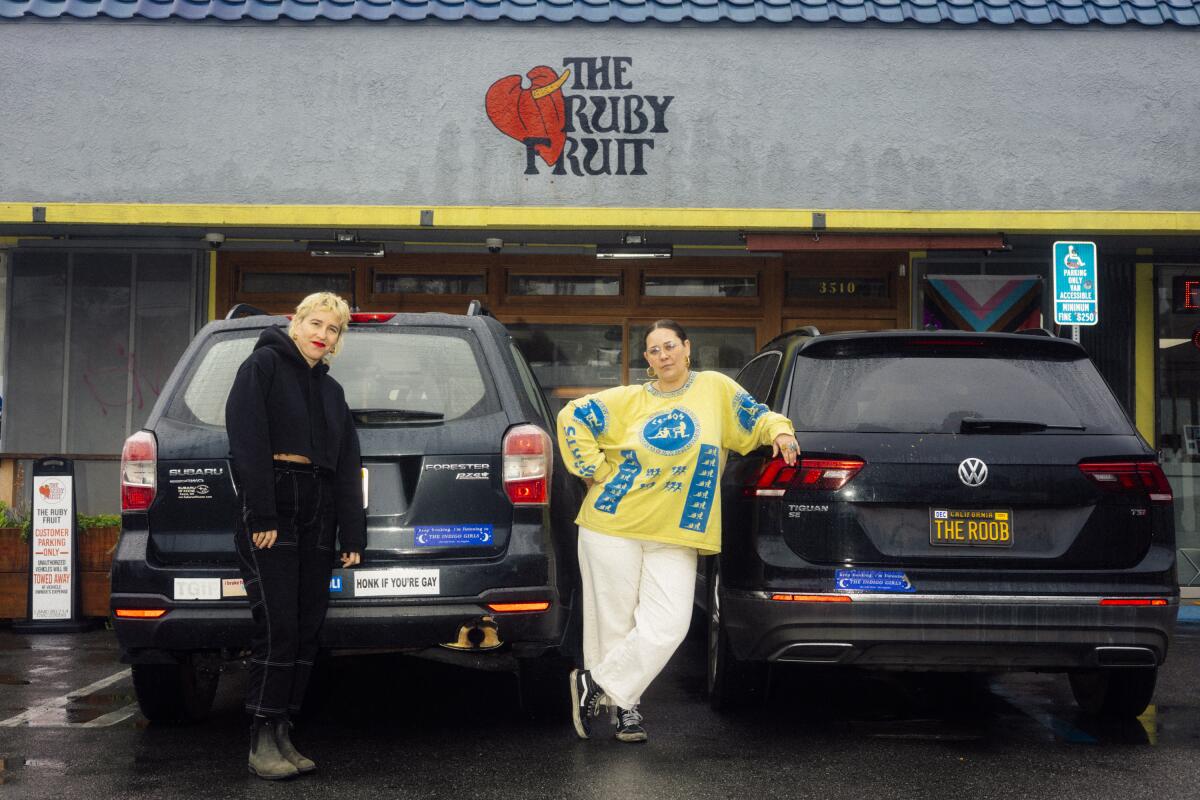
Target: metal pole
1075,333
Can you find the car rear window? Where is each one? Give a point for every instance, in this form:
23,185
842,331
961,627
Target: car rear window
912,394
396,377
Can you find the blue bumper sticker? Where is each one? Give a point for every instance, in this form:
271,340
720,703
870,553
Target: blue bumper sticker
335,583
452,536
873,580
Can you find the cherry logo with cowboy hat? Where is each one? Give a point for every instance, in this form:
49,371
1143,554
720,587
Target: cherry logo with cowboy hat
531,114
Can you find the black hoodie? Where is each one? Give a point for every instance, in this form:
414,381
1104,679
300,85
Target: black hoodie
278,404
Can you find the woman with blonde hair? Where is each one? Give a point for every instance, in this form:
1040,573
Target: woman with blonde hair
295,458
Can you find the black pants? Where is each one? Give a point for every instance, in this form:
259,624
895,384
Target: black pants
288,589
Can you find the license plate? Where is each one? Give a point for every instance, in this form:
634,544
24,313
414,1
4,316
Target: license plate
971,527
400,582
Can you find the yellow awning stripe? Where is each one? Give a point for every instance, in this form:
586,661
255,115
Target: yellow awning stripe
551,217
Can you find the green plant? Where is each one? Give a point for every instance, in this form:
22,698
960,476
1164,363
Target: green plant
86,521
9,518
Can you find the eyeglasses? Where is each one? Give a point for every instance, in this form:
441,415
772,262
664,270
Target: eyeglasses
669,347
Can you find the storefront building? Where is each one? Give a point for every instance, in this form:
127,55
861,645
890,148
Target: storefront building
583,168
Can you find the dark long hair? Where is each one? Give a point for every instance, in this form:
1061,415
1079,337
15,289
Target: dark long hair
669,324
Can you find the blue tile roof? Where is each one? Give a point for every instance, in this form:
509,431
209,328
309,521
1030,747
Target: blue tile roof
963,12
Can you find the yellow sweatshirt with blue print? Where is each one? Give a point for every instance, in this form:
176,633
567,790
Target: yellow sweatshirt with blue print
656,457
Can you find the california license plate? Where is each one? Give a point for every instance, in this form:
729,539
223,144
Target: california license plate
971,527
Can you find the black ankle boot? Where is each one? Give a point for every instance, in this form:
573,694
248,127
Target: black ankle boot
265,759
283,740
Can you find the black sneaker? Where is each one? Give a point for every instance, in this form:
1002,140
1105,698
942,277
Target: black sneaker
585,701
629,725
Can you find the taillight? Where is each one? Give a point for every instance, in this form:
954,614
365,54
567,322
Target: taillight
527,462
1130,477
811,474
139,471
371,316
1133,601
139,613
514,608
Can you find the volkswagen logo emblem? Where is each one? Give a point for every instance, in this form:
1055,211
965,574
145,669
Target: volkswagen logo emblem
972,472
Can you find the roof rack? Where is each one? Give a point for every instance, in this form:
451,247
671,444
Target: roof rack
245,310
477,309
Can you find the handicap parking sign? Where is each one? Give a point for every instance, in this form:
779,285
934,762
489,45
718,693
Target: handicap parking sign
1076,289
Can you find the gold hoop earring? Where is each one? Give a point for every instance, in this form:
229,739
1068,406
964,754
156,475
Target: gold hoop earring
650,373
687,363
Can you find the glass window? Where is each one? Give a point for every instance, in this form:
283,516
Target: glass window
36,353
438,374
205,390
759,374
162,326
933,395
295,282
549,285
1178,373
99,351
722,349
532,390
695,286
392,283
408,377
571,355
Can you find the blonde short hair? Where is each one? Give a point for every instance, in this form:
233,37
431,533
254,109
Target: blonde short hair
323,301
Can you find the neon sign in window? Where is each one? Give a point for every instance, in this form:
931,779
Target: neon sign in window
1185,294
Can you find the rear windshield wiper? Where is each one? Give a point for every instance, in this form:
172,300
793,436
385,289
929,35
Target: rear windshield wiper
384,416
978,425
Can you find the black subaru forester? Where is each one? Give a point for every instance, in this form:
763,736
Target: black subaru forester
965,502
470,550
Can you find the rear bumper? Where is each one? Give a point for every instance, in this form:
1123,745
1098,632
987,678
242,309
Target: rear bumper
227,625
949,632
393,623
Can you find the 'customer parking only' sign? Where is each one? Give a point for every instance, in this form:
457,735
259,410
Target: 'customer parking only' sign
1076,290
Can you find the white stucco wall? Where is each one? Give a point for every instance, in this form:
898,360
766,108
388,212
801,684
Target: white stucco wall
762,116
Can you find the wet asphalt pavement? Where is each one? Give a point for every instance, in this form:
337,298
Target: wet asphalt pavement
393,727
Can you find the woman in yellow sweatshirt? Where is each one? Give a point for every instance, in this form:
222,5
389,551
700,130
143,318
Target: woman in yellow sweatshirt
651,455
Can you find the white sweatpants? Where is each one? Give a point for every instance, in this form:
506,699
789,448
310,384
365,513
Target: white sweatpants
637,607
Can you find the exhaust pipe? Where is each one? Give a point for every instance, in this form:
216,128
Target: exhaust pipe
814,653
1126,657
479,634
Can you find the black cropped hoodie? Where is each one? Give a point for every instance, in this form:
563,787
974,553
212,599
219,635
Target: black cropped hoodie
278,404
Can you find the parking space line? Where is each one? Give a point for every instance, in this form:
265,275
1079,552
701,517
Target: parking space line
59,702
111,718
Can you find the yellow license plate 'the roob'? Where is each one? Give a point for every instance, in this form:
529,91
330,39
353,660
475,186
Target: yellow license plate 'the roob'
971,527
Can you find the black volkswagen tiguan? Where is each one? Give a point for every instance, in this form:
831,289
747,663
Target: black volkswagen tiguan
470,550
965,502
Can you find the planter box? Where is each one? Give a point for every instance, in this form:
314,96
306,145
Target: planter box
95,546
14,573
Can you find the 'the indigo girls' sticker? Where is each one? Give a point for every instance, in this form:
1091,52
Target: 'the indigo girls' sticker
671,432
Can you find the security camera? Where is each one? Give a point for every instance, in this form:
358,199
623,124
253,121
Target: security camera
214,240
494,244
